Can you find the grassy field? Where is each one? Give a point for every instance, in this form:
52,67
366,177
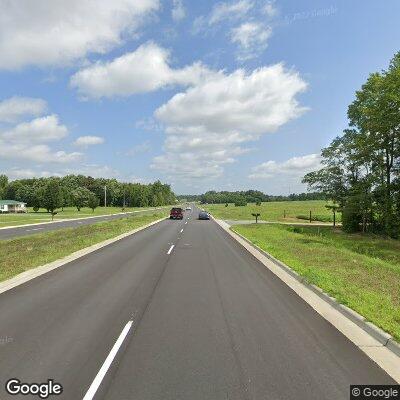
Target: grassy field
361,271
69,212
21,254
295,211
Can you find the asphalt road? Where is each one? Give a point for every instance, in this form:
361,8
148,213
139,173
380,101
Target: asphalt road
9,233
200,320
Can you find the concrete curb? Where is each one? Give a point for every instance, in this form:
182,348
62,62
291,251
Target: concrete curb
83,218
43,269
378,345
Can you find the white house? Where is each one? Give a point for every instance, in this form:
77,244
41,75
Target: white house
12,206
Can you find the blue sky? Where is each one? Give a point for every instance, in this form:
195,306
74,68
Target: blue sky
203,95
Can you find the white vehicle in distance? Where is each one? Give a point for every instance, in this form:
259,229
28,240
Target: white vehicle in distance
188,208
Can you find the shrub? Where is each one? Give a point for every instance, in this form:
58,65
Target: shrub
240,203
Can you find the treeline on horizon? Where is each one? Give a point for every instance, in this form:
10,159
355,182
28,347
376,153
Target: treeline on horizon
248,196
84,191
361,168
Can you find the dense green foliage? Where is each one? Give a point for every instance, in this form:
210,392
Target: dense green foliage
361,168
81,191
249,196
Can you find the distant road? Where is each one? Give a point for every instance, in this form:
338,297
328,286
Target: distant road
177,311
9,233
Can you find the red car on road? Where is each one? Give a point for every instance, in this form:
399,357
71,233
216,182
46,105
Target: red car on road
176,213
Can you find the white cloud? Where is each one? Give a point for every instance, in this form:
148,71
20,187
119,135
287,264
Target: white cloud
207,125
43,32
229,10
27,141
85,141
94,170
144,70
252,38
178,10
12,109
296,166
42,129
269,8
38,153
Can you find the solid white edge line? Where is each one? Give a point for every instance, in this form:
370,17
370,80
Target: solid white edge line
170,249
106,365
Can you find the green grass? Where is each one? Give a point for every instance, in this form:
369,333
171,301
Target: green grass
68,213
21,254
360,271
274,211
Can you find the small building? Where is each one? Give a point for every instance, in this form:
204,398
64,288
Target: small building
12,206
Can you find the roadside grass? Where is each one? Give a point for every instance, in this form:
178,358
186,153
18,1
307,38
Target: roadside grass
360,271
21,254
295,211
68,213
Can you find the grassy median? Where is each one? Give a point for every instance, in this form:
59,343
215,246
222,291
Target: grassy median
284,211
360,271
20,254
32,217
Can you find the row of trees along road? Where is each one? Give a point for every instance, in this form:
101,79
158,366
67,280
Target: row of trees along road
84,191
361,168
248,196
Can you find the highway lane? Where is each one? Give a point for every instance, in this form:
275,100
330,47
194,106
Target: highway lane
208,321
9,233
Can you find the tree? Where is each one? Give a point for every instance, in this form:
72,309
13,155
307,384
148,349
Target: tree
52,196
361,168
37,199
3,185
93,201
80,197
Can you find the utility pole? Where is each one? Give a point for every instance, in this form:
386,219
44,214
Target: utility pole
105,196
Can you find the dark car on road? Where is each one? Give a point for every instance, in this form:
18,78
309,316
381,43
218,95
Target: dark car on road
176,213
204,215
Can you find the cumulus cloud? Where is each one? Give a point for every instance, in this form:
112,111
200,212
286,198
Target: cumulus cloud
42,129
14,108
86,141
43,32
27,173
27,141
208,124
178,10
38,153
295,166
252,38
94,170
144,70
